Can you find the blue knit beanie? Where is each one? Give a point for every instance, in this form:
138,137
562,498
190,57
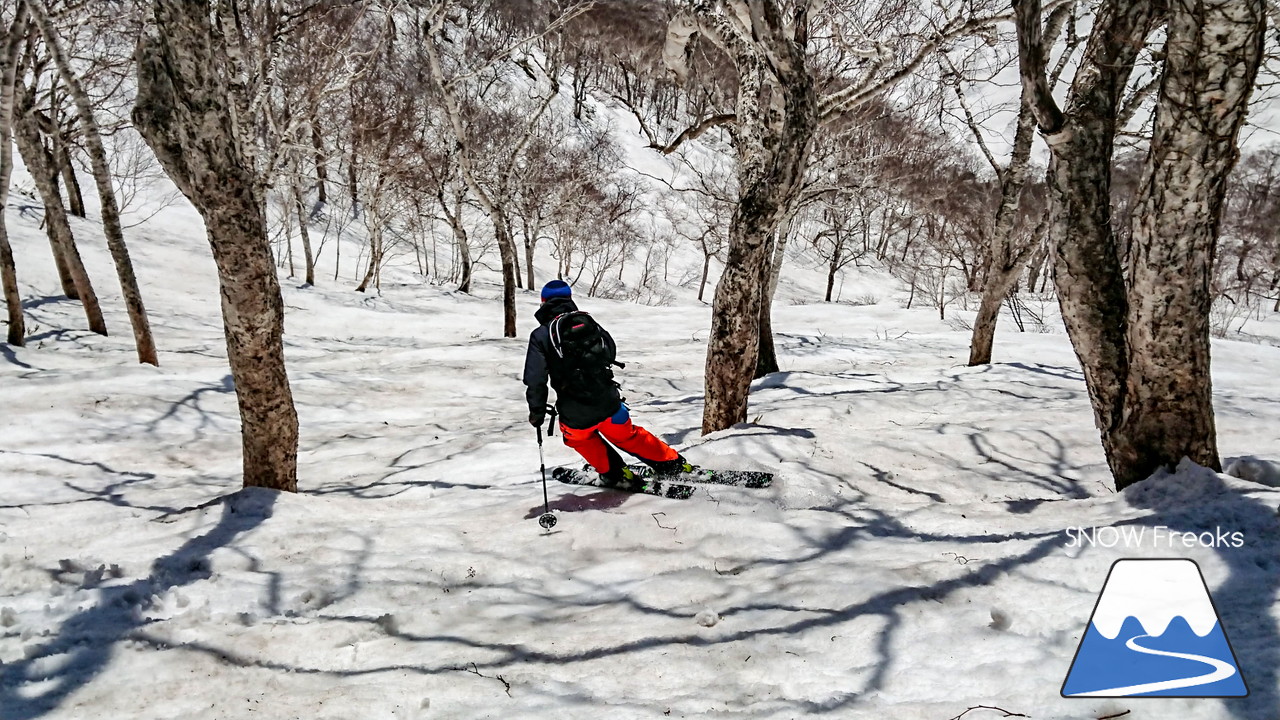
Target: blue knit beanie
556,288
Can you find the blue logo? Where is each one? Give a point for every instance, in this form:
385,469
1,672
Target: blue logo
1154,633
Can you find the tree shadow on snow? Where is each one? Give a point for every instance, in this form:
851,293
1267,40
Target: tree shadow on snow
6,352
82,649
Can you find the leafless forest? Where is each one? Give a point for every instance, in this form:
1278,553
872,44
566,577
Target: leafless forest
988,154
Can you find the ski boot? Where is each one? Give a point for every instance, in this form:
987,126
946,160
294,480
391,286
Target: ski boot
672,467
619,475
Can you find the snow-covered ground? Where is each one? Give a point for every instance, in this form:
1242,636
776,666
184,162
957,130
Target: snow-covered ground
912,559
915,558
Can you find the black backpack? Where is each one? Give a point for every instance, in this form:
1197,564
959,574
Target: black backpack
583,354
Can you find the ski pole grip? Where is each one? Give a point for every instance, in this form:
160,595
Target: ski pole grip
551,423
539,428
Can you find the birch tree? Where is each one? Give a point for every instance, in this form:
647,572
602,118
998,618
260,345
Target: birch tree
43,169
1141,332
92,135
492,199
1007,257
185,112
10,43
778,111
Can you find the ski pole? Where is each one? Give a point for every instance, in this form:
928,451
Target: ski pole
547,520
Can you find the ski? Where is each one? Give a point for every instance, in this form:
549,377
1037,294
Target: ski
743,478
643,485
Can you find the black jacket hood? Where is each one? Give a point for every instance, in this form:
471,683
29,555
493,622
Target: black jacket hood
553,307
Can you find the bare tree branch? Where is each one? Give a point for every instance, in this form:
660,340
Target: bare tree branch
694,131
1032,60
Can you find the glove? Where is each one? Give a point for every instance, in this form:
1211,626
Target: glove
537,416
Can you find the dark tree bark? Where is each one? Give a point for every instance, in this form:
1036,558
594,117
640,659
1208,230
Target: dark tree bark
530,232
767,361
706,267
454,219
322,165
60,263
41,165
833,267
183,112
766,353
1145,348
1087,271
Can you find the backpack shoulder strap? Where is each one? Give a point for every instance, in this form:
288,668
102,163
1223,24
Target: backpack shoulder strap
554,328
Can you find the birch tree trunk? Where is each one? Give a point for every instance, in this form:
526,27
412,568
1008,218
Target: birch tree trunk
777,114
184,112
374,223
1036,266
515,255
322,167
1007,260
460,239
506,244
530,244
142,336
1145,349
1214,51
60,263
767,358
706,271
62,157
44,172
837,250
766,353
303,218
56,228
17,332
75,197
1087,272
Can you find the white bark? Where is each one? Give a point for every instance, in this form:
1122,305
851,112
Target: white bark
44,172
8,270
143,338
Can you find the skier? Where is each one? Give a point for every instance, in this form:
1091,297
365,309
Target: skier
575,352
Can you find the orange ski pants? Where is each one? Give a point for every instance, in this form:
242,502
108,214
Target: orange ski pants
619,430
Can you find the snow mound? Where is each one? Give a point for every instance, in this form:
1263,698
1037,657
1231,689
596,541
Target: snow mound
1189,484
1257,470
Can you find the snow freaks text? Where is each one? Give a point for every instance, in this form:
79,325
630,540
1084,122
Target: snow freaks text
1160,536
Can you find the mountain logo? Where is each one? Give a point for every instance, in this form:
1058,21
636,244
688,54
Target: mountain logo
1154,633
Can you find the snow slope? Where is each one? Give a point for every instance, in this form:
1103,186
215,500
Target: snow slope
911,561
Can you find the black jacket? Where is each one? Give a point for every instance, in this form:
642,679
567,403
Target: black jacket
541,363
